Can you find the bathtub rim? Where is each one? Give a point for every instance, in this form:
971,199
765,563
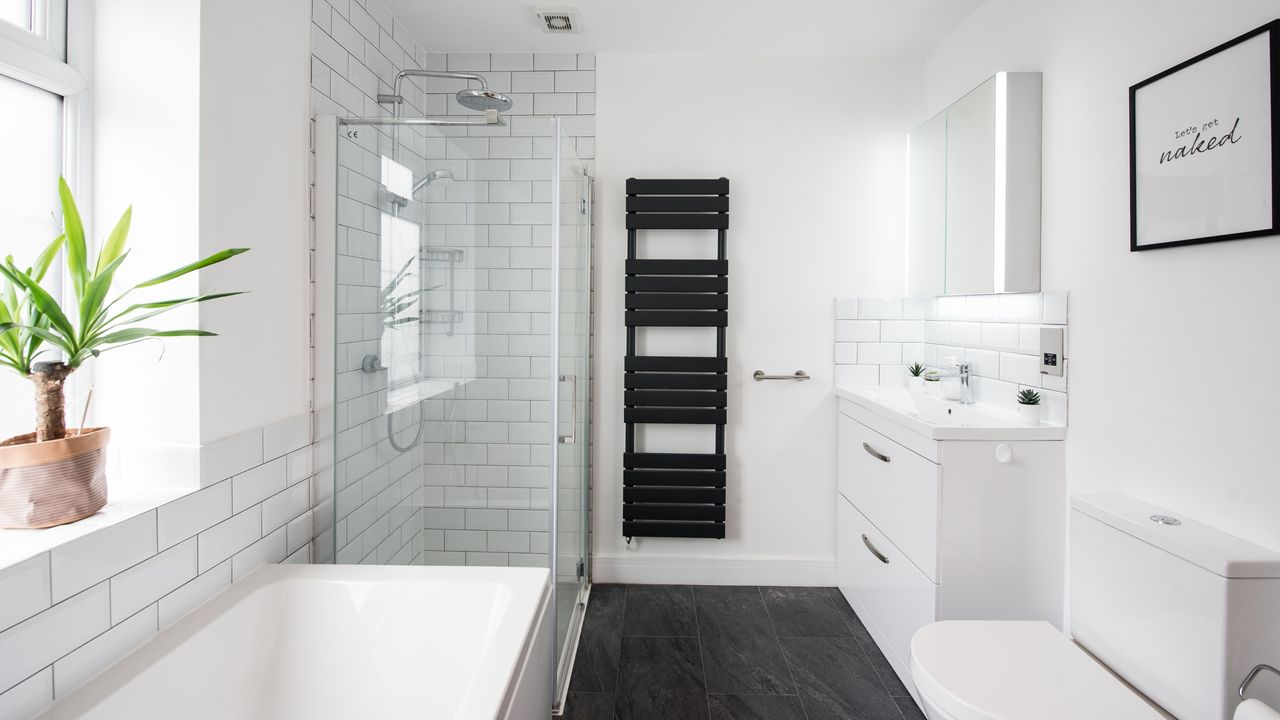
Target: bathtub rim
487,697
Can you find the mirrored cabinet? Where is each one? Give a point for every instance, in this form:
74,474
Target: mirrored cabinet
974,192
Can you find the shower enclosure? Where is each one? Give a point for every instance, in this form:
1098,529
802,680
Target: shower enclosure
453,314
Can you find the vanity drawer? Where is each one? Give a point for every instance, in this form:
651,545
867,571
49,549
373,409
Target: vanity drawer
894,595
896,489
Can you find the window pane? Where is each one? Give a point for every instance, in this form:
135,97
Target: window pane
17,12
31,145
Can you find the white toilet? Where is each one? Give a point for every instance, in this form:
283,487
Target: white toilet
1169,609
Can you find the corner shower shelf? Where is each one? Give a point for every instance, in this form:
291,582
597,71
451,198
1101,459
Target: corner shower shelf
676,494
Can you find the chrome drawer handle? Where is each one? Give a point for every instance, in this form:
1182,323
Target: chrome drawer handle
879,555
875,453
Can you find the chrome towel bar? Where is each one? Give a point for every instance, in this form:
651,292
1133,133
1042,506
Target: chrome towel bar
799,375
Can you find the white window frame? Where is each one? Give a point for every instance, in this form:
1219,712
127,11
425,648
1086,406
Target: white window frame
57,56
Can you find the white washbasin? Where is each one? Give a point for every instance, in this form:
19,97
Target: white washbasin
940,419
342,641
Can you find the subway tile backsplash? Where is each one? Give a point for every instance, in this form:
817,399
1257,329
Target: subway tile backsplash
999,335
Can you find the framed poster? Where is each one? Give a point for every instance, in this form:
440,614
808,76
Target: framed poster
1204,146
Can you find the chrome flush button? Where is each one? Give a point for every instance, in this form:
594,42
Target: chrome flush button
1166,520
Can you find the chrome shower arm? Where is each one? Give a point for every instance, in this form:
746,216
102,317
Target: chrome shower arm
395,96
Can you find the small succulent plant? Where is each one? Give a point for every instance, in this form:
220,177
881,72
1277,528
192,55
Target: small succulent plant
916,369
1027,396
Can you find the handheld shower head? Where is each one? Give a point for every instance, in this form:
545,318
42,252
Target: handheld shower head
432,177
483,99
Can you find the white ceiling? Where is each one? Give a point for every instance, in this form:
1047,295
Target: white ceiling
850,28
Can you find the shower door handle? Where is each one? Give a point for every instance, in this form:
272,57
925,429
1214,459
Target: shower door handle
572,437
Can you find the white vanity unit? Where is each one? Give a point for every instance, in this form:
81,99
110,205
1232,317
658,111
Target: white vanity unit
946,512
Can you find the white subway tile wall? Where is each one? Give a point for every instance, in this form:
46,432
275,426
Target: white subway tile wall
999,335
68,613
490,431
486,443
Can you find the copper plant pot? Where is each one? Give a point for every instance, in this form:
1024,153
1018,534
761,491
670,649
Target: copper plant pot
53,482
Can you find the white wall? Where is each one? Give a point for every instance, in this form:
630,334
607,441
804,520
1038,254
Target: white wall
815,151
254,114
209,143
1170,348
146,154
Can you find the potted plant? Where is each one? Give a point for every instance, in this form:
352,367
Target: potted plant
1029,406
915,381
53,476
932,382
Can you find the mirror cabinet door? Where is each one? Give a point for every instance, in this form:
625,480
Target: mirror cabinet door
927,214
971,183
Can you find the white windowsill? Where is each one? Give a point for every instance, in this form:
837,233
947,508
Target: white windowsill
122,504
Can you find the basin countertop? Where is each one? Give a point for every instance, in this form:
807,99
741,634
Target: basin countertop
940,419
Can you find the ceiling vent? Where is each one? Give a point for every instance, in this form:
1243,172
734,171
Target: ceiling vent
559,21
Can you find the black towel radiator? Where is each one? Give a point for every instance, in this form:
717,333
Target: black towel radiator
676,494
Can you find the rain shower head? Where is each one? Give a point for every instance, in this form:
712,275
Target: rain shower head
483,99
432,177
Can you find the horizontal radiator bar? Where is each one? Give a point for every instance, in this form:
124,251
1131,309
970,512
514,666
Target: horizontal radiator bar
664,478
718,186
675,398
676,461
712,495
676,301
648,528
677,267
677,203
677,283
677,318
675,415
677,221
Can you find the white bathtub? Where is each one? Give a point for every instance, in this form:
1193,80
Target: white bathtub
335,641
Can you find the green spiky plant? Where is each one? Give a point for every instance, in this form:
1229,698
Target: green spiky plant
1027,396
916,369
33,325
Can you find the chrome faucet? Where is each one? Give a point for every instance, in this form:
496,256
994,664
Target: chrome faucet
964,373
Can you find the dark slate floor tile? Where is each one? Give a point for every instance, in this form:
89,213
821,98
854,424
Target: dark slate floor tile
854,624
660,677
660,610
589,706
804,612
755,707
910,711
596,667
872,651
888,676
836,682
740,651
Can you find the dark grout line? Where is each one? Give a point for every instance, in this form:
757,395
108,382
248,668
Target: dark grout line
702,660
785,661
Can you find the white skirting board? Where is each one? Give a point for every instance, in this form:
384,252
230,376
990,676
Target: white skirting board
803,570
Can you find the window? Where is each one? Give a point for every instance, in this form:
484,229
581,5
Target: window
16,12
40,126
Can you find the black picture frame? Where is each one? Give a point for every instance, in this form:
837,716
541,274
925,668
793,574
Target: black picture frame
1273,28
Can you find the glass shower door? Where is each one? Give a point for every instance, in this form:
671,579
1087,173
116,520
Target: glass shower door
572,249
